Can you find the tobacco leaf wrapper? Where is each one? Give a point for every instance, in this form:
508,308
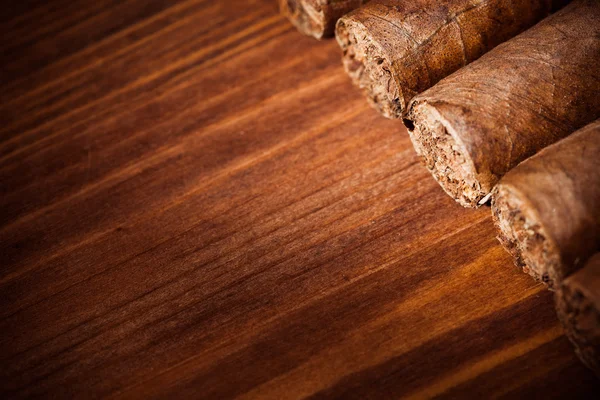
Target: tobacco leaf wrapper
317,18
578,309
547,209
394,50
475,125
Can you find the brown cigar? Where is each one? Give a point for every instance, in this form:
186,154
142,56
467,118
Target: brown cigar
475,125
394,50
578,309
317,18
547,209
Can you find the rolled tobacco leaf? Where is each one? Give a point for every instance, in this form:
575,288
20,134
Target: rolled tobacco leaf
547,209
475,125
578,309
317,18
394,50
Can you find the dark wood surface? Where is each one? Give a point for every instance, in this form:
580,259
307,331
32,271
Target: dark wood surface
196,203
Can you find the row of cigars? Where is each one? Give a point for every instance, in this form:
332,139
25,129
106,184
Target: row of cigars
501,99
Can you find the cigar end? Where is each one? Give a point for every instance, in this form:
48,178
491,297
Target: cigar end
307,18
522,234
444,155
578,311
369,67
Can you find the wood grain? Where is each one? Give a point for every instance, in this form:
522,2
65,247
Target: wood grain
195,202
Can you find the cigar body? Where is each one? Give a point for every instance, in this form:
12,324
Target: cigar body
475,125
394,50
578,309
317,18
547,209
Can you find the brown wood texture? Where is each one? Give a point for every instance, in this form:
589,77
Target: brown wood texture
196,203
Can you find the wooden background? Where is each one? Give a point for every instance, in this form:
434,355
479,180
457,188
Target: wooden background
196,203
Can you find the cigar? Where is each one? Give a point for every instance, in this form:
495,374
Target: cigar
394,50
578,309
317,18
547,209
475,125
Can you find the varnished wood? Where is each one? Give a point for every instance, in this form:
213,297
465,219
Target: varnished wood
197,203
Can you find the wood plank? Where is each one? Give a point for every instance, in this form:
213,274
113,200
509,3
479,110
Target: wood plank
197,203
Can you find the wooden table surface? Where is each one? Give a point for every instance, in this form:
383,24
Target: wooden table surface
196,203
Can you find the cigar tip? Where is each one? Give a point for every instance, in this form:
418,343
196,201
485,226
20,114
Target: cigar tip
369,66
307,19
524,236
578,309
